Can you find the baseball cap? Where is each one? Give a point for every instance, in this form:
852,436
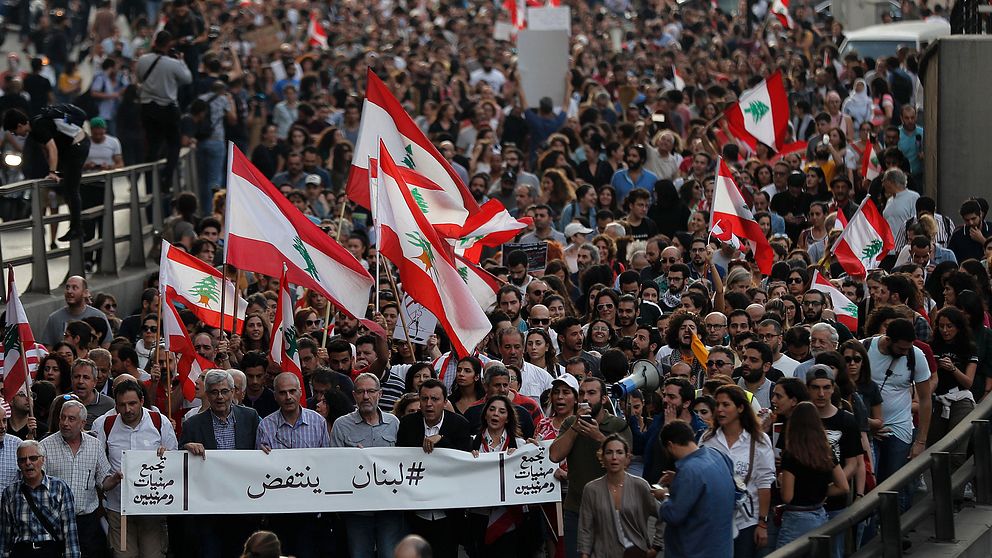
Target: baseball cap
819,372
312,179
576,228
569,380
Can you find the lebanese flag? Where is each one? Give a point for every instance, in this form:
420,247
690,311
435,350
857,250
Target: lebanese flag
865,241
35,354
283,350
17,336
845,311
761,114
677,80
517,12
425,261
871,167
190,366
316,34
444,199
788,149
731,216
481,283
264,230
198,287
780,9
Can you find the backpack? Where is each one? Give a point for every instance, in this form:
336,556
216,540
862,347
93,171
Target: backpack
205,128
65,112
109,423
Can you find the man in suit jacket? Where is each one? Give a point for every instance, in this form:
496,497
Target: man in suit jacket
224,427
433,427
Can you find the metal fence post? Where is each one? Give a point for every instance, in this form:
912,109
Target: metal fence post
136,254
159,205
108,251
943,497
39,266
890,524
982,446
821,546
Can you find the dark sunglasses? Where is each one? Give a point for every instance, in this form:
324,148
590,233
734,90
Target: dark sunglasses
795,280
541,321
853,359
150,329
717,363
109,306
313,322
604,306
26,458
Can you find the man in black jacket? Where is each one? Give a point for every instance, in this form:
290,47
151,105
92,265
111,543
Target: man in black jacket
224,426
433,427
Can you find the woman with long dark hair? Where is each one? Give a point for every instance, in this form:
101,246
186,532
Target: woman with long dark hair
601,336
55,369
972,304
737,433
809,474
954,348
539,351
499,432
468,388
606,199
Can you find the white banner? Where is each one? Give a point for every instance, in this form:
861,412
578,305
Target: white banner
333,479
550,18
420,323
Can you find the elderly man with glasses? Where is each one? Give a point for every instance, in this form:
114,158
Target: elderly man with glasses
225,426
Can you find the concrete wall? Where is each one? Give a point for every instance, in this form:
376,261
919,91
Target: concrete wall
958,87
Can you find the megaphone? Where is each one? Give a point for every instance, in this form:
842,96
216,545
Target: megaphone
643,375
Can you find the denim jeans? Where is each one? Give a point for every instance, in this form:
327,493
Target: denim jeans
891,454
210,159
571,520
796,524
374,534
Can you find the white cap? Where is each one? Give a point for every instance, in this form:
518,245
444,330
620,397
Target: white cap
576,228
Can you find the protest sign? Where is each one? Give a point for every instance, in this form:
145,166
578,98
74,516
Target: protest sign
333,479
550,18
543,64
420,323
537,254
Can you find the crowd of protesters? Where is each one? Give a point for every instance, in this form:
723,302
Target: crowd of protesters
771,415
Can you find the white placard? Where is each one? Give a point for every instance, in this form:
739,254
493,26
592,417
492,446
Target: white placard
543,64
551,18
333,479
503,31
420,322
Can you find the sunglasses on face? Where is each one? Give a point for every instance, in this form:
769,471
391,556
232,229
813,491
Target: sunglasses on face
853,359
109,306
541,321
716,363
26,458
795,280
313,322
604,307
150,329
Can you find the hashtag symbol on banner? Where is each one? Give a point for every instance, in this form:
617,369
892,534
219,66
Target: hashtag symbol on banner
415,473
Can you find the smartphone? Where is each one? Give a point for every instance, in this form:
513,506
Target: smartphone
826,139
587,418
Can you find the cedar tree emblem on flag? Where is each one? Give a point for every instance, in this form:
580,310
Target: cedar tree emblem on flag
207,290
869,252
311,269
757,110
427,257
419,198
408,157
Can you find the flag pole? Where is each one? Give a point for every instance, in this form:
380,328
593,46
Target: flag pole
396,293
234,312
27,388
374,188
223,297
223,263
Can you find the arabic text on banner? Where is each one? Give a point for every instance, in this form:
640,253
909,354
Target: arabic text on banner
333,479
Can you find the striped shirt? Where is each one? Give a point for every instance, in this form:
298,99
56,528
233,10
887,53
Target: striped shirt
224,430
84,471
8,459
19,524
309,431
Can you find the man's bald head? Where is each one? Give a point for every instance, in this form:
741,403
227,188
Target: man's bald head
122,378
413,546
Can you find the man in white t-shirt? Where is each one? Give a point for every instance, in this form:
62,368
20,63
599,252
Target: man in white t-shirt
900,205
105,149
770,331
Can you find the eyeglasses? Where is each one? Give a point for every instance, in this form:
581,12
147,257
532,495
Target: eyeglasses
716,363
26,458
608,306
541,321
538,292
795,280
715,325
313,322
219,392
812,303
150,329
767,336
853,359
369,392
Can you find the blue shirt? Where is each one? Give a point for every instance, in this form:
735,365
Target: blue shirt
310,431
648,442
911,149
541,127
623,184
699,514
19,524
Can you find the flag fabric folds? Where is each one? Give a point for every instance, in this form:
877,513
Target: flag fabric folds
865,241
425,262
264,229
198,288
731,216
189,366
316,34
761,114
845,310
16,336
780,9
283,350
871,167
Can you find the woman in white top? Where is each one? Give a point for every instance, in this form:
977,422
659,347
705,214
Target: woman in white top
737,433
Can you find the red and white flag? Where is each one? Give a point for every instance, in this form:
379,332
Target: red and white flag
780,9
35,355
677,80
316,34
845,311
761,114
871,167
425,261
284,350
198,288
264,230
190,365
444,199
865,241
16,336
731,216
484,285
518,13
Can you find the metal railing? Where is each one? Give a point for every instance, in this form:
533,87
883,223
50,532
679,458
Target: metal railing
138,202
944,487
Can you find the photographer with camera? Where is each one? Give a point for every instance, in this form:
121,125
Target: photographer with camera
161,73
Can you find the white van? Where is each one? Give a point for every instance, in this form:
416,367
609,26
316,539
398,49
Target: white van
884,40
